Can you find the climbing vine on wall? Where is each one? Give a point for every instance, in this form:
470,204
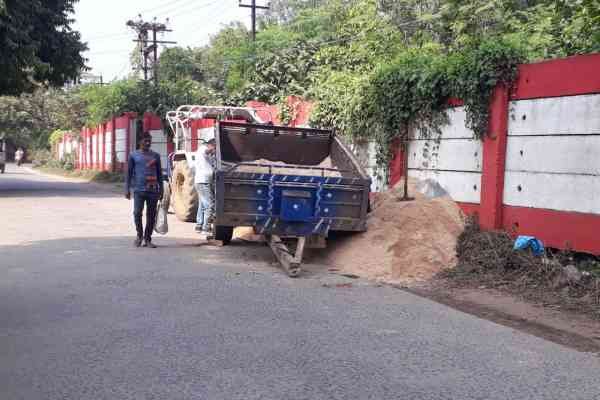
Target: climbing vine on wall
411,93
474,75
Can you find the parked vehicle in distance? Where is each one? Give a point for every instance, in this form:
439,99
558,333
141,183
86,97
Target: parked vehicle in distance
2,155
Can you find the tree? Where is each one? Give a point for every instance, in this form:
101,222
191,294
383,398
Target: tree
29,119
178,63
38,46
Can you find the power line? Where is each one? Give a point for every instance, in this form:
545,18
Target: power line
167,4
149,52
113,35
185,8
209,16
107,52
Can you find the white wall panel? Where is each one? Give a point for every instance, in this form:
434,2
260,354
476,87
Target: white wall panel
366,155
108,147
560,154
461,186
159,145
95,149
456,127
121,144
559,115
579,193
454,155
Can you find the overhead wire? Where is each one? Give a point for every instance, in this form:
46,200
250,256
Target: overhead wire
195,10
213,13
164,4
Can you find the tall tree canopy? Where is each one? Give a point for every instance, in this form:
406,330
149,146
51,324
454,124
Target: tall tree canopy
37,45
371,67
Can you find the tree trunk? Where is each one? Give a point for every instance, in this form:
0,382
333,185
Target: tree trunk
405,197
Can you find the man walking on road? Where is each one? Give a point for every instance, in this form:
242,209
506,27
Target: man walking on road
144,178
19,156
203,179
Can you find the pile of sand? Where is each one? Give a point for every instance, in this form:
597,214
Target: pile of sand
405,242
326,163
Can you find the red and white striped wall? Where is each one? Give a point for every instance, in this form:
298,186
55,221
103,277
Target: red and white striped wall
552,168
538,171
160,140
68,145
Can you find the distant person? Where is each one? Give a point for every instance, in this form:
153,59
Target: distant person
19,156
145,180
203,179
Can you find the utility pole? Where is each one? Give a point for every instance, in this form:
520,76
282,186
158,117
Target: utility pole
149,52
254,7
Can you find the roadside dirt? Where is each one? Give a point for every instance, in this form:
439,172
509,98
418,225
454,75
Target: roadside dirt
412,246
552,323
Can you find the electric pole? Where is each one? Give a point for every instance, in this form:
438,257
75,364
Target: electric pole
254,7
149,52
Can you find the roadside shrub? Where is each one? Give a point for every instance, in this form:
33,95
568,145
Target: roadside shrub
41,157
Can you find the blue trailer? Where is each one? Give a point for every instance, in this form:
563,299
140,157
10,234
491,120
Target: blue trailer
293,185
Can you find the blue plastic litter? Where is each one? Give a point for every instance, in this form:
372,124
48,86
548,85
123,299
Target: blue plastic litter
524,242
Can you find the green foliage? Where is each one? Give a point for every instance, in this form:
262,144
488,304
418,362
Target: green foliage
105,102
38,46
558,28
177,63
475,73
363,38
340,96
56,136
281,73
411,92
29,119
40,157
374,68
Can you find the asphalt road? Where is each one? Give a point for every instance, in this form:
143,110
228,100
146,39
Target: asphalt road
83,315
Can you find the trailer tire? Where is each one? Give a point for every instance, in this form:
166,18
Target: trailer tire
2,167
184,196
224,233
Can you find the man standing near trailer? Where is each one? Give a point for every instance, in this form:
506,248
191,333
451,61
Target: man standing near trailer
204,171
145,180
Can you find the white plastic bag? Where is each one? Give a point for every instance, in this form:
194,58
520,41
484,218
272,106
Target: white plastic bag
161,226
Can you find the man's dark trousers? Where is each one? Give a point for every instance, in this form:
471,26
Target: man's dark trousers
151,201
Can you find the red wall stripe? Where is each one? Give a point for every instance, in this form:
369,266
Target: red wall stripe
559,229
555,78
396,163
195,127
122,122
152,122
494,160
469,208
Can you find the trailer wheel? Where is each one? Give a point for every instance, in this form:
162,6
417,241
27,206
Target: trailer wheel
224,233
2,167
184,195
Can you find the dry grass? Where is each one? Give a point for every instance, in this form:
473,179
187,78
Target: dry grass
487,258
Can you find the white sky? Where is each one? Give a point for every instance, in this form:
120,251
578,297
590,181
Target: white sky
102,26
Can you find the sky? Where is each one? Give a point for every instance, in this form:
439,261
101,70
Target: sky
102,26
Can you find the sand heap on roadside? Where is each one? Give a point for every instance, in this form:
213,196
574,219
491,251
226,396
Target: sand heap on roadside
405,242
